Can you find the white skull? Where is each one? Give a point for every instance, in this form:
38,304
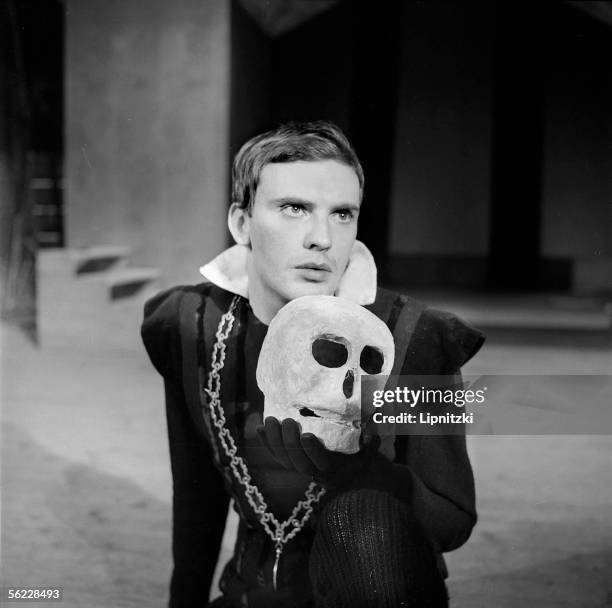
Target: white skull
311,363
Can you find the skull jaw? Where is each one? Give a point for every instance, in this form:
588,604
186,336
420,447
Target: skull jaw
335,435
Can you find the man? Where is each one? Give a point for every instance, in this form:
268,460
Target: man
317,528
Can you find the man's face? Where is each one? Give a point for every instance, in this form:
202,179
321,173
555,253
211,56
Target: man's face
302,228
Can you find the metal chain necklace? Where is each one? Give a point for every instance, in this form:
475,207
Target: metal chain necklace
280,532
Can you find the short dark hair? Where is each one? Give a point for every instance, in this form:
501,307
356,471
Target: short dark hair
294,141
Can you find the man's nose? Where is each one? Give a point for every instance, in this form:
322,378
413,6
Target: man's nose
318,235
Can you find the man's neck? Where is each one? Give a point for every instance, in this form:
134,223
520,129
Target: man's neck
263,305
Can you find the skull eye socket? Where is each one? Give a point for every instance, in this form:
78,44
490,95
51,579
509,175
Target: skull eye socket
371,360
328,352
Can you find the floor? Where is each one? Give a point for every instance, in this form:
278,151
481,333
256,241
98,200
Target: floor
86,482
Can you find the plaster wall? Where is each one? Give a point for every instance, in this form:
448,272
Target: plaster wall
147,129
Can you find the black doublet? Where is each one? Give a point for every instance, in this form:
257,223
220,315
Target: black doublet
435,469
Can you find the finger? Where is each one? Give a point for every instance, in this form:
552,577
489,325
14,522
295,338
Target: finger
261,433
274,439
295,451
374,443
316,451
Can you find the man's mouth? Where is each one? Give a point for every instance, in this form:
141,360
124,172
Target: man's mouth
314,266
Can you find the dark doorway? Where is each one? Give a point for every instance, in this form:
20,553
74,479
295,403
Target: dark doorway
323,69
32,125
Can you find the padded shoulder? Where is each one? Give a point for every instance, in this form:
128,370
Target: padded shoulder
461,340
160,326
442,343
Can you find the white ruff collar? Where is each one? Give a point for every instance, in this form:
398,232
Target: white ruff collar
358,283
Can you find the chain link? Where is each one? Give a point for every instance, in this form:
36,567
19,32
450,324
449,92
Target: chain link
279,532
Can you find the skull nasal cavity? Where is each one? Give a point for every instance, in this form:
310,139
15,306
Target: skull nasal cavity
347,385
371,360
329,353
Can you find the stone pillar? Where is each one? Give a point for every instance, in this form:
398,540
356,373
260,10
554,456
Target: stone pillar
147,128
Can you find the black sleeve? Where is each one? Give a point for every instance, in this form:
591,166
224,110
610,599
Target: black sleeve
437,470
443,496
200,501
433,473
199,506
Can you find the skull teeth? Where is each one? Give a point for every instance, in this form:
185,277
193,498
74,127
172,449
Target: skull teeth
308,413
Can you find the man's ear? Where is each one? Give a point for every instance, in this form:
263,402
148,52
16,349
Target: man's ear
238,222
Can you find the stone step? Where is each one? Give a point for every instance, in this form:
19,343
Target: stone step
101,306
525,311
70,273
60,262
126,282
100,258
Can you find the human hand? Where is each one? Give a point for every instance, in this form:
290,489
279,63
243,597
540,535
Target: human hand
305,453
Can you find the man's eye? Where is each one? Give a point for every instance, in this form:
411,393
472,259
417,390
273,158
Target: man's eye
293,210
345,215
